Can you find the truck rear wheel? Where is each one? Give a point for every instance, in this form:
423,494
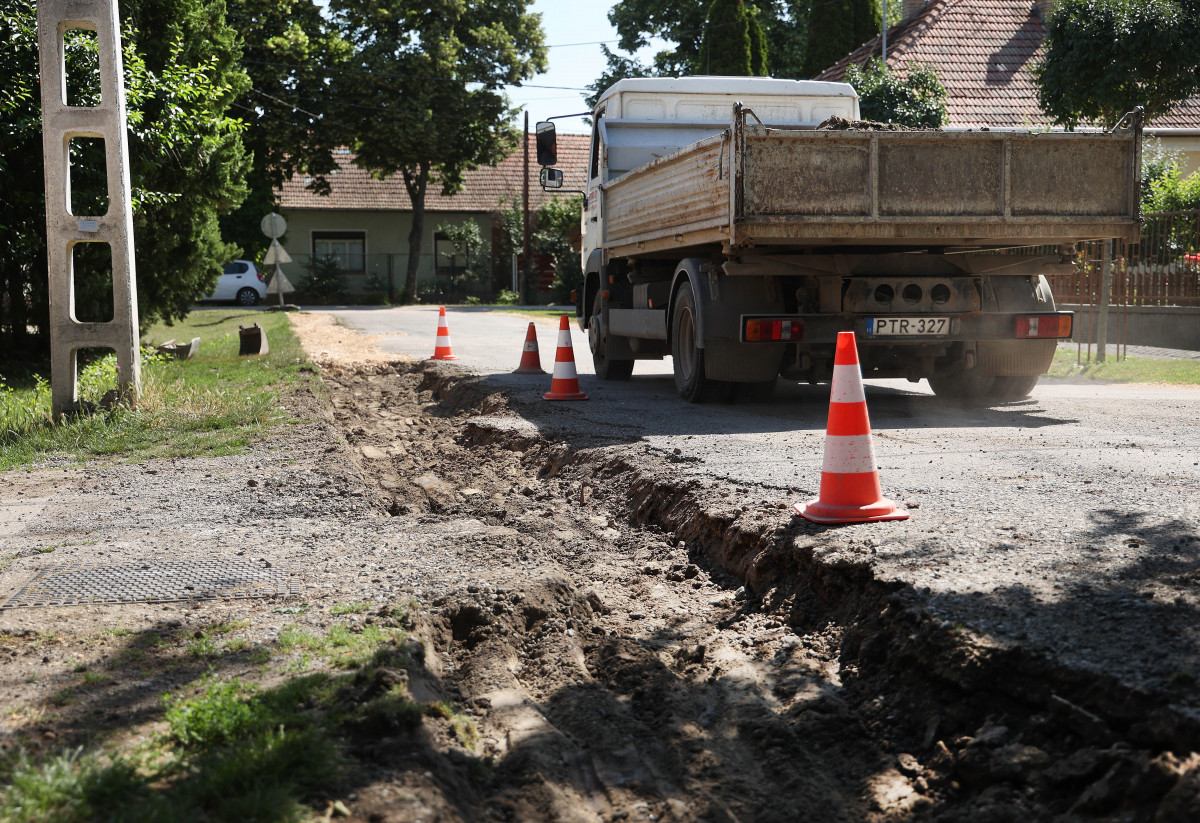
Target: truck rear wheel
606,369
1014,388
686,355
967,384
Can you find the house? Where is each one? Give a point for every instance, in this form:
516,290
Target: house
984,52
364,222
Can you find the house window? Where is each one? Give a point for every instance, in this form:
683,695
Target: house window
348,248
448,262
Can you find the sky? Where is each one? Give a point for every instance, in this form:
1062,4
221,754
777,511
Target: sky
574,31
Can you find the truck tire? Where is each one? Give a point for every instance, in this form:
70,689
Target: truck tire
1014,388
606,369
687,357
967,384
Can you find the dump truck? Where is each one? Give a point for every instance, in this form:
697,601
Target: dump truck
738,224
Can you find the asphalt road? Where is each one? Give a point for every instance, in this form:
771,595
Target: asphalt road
1070,520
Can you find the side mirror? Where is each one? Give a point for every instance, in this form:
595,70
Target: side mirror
552,179
547,144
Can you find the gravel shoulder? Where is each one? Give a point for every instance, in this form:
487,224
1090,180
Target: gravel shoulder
626,640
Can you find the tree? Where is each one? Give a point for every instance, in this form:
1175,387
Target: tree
913,98
424,99
1104,57
783,24
725,44
836,28
288,49
187,162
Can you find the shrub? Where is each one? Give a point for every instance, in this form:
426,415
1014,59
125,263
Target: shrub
914,98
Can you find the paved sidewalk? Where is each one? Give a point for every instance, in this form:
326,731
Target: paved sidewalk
1144,352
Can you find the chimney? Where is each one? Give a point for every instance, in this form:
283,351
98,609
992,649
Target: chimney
1044,8
911,8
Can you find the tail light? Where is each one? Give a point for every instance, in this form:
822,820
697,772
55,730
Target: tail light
770,330
1044,325
260,277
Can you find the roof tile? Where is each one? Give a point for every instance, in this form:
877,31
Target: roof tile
484,189
984,51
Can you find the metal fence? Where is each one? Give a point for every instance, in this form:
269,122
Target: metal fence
1163,269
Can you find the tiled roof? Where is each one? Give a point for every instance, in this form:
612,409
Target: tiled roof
483,189
984,51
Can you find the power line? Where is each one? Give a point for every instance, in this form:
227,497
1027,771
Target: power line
396,76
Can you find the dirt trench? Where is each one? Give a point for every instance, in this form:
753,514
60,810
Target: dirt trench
655,648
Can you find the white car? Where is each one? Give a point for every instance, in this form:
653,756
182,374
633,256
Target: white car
241,282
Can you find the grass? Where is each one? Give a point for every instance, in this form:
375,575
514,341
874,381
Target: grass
232,750
534,311
349,608
1129,370
215,404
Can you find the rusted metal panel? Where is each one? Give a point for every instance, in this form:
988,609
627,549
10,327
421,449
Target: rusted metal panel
951,178
1084,174
672,195
787,175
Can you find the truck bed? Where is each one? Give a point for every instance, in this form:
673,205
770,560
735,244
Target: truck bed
755,185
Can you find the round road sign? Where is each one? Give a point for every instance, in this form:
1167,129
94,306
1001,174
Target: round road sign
273,225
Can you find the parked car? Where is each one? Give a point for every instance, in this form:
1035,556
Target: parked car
241,282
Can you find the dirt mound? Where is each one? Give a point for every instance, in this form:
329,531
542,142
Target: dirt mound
836,123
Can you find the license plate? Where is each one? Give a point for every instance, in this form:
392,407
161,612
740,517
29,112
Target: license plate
908,326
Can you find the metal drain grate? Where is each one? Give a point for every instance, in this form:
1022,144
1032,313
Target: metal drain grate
152,582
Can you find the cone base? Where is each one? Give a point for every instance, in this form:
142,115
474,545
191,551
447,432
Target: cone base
529,370
444,357
832,513
565,396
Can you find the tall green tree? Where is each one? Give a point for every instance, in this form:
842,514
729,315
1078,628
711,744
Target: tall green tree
424,100
288,48
187,162
1104,57
682,23
725,44
836,28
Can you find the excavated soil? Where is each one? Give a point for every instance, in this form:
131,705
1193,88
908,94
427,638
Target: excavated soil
628,644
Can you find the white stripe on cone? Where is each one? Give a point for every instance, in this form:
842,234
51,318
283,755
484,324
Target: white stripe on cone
848,454
847,385
531,345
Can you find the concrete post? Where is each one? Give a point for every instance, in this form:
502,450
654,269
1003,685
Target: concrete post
60,124
1105,289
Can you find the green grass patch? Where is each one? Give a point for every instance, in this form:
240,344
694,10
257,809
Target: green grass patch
218,403
349,608
533,311
231,751
1129,370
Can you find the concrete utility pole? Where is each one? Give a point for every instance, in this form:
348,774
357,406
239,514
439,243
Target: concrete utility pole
60,124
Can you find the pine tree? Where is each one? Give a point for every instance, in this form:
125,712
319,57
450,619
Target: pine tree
725,46
758,44
837,28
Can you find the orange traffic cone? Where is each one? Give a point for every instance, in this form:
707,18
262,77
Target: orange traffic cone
850,490
531,359
442,350
564,385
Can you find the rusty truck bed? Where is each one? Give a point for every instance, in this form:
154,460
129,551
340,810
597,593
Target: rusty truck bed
761,186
